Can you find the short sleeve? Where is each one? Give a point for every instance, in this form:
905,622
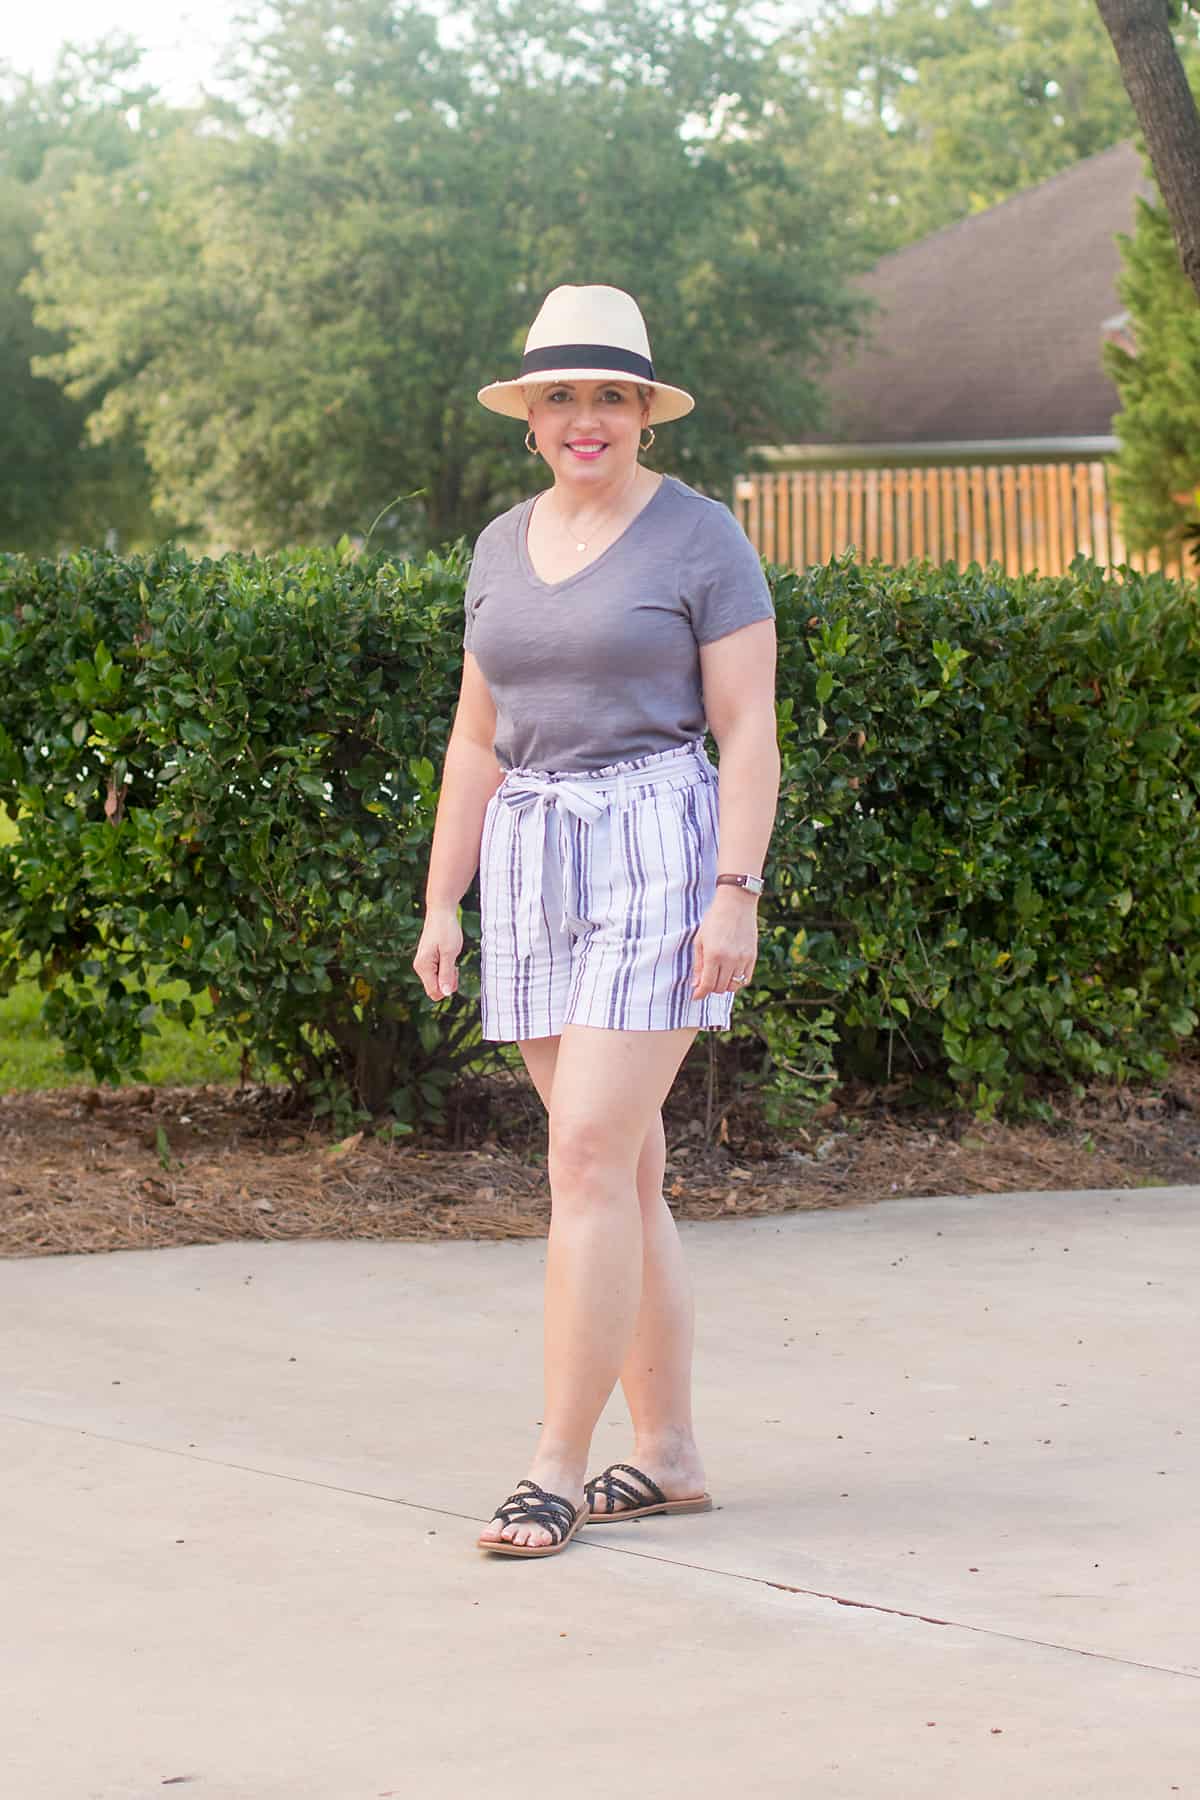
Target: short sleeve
722,584
476,584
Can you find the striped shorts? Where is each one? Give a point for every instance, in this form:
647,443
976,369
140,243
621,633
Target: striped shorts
592,888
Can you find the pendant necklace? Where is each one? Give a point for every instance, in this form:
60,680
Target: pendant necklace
581,545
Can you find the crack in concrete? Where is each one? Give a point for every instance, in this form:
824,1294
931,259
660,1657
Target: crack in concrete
673,1562
900,1612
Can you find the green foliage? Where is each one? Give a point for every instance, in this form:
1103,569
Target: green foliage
1157,471
32,1057
987,862
986,865
56,488
225,774
263,321
291,303
945,107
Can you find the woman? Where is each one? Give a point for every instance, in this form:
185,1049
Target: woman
608,620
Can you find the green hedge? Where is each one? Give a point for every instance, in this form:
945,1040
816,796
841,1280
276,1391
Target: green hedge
984,869
987,857
226,773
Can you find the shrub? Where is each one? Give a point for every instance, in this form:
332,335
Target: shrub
985,866
986,861
226,772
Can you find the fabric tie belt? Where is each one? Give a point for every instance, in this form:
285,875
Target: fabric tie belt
533,797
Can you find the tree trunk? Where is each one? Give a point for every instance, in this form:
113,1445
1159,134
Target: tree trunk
1157,84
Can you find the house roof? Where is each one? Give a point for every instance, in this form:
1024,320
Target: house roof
992,327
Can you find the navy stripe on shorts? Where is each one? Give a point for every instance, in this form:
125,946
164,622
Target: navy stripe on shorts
593,886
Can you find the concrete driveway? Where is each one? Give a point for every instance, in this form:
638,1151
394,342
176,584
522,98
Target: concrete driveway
953,1444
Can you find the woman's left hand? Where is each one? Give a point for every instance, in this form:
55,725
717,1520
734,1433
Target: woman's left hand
726,943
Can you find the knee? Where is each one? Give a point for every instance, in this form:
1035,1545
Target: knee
590,1156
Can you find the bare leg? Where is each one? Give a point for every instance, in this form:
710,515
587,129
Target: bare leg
657,1372
607,1087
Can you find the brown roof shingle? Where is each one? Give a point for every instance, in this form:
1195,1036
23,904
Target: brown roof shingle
992,327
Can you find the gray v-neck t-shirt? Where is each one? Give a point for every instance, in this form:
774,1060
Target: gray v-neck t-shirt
604,666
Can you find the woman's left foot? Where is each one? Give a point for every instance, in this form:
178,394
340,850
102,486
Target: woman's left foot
623,1491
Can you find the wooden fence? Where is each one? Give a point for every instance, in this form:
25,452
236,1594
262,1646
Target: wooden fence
1024,516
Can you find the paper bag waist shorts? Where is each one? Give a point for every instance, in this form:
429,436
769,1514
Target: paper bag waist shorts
592,889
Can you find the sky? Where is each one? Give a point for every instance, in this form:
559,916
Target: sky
182,37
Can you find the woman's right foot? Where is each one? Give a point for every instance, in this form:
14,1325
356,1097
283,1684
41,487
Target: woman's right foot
528,1533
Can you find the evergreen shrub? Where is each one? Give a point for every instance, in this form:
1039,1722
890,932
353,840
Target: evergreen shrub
985,866
987,858
225,772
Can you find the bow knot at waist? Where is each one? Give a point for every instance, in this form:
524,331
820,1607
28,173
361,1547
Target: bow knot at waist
532,797
520,791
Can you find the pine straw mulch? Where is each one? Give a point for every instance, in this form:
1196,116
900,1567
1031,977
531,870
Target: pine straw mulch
135,1168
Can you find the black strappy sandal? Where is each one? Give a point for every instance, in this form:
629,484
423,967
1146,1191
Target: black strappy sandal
537,1507
624,1502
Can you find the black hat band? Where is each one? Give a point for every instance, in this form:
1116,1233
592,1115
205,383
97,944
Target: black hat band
586,356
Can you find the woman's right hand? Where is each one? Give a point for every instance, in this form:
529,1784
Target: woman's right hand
438,952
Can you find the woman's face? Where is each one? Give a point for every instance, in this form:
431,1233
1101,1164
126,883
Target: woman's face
588,431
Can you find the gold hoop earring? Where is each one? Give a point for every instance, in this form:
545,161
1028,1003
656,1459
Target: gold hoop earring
532,448
646,445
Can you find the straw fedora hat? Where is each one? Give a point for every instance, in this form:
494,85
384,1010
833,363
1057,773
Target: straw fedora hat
585,334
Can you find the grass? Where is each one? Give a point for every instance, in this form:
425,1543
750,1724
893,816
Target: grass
31,1057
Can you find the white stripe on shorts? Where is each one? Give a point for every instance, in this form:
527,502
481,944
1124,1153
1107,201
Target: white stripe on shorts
593,887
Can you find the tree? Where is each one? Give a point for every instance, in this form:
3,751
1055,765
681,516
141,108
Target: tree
1157,475
1166,109
55,487
949,106
293,299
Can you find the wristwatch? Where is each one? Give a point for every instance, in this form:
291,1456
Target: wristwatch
753,884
